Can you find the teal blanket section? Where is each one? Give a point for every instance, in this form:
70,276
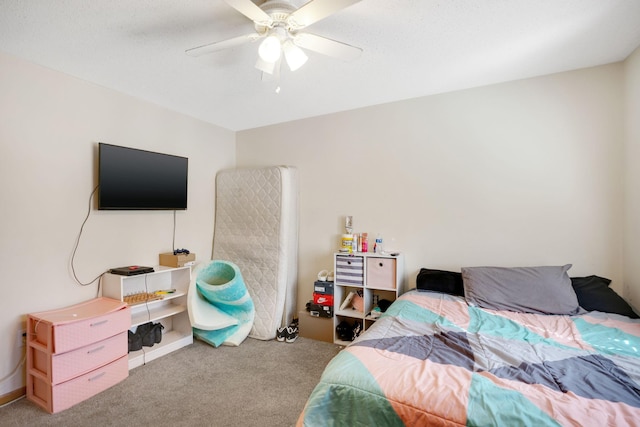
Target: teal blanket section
483,323
221,284
606,340
336,402
491,405
410,311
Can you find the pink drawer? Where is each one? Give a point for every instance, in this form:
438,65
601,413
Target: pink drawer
381,273
58,368
73,327
62,396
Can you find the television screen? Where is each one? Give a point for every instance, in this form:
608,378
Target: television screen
132,179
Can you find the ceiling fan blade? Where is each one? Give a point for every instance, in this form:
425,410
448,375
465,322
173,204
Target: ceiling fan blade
224,44
327,46
316,10
251,11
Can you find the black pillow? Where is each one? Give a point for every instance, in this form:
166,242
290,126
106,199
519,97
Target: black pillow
448,282
594,293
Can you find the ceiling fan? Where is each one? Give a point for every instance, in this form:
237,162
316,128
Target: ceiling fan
279,22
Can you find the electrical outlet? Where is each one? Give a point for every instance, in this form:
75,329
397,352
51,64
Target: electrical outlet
21,338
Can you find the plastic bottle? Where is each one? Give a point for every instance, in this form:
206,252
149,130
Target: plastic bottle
377,248
347,243
365,242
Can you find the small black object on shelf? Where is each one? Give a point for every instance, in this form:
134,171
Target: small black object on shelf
131,270
384,304
181,251
145,335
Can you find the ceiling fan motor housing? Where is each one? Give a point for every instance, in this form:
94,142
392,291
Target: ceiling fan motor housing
280,12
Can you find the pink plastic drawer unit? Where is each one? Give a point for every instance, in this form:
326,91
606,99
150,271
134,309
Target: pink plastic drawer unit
79,325
381,273
63,396
57,368
76,352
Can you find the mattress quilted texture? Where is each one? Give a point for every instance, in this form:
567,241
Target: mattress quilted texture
256,227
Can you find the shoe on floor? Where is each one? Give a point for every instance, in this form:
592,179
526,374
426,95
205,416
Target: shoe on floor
292,333
281,335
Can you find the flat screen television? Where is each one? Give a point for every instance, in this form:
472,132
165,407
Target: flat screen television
132,179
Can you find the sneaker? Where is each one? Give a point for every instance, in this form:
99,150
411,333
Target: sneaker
292,333
281,335
357,328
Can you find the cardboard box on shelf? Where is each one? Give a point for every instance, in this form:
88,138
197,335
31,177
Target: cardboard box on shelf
323,299
321,287
179,260
316,328
318,310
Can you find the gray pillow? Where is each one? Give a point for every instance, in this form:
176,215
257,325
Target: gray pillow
540,290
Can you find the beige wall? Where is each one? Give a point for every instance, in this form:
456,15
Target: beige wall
520,173
51,124
632,178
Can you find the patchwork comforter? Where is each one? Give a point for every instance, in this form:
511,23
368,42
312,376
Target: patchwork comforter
433,360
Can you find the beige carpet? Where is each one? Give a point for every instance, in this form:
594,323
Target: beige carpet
259,383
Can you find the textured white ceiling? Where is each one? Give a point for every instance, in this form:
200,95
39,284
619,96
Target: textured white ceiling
411,48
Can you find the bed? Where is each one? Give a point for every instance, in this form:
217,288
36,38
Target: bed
441,356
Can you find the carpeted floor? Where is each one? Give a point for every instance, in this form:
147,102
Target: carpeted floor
259,383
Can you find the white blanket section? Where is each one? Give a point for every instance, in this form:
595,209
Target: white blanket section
256,227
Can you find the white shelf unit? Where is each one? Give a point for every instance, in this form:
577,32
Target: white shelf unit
170,311
378,276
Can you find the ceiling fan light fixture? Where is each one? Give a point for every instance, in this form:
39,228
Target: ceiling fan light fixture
295,56
278,24
265,66
270,49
